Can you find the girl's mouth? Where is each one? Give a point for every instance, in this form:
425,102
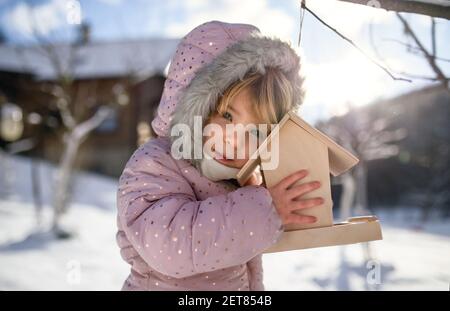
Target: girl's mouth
221,158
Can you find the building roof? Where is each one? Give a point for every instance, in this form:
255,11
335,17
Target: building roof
143,58
340,159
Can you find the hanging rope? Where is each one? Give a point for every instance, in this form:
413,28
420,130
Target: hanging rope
302,17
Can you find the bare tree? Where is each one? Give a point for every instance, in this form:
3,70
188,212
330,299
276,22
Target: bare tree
430,57
417,48
68,96
81,107
415,6
368,140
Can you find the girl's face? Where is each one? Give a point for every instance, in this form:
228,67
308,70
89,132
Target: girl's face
239,111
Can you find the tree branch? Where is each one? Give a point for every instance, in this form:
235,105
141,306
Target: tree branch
415,48
431,61
354,45
431,8
82,129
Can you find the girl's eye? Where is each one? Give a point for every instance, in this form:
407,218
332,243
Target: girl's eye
227,116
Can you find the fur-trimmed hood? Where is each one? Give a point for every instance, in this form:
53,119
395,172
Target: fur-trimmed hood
208,60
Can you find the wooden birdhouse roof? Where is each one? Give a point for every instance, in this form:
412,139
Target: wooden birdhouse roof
340,160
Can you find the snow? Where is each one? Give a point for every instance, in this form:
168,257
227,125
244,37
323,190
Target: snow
407,260
37,261
412,256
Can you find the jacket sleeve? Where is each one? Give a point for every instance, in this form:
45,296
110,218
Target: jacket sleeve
178,235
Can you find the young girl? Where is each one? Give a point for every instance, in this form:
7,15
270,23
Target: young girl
185,224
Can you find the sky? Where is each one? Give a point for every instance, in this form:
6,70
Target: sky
338,76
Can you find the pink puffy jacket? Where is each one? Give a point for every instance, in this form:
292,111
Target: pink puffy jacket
177,229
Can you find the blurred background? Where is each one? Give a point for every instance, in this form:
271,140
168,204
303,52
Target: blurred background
79,84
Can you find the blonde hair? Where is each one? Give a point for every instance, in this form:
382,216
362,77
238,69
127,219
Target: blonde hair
271,94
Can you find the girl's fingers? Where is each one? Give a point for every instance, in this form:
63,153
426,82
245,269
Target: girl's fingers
300,219
300,190
291,179
307,203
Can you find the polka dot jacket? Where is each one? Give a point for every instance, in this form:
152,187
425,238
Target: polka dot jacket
180,231
177,229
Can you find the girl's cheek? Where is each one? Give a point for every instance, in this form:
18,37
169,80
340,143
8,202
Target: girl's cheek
214,135
250,145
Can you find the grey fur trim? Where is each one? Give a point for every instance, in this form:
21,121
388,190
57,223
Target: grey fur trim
253,53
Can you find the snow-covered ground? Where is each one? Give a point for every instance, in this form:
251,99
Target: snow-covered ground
412,256
36,261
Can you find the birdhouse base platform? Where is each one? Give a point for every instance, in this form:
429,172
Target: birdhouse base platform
354,230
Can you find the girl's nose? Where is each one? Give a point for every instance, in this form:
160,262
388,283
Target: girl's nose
229,146
234,144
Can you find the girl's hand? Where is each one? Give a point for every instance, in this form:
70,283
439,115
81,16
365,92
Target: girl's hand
286,198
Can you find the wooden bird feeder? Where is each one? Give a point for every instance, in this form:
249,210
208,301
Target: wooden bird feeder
297,145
